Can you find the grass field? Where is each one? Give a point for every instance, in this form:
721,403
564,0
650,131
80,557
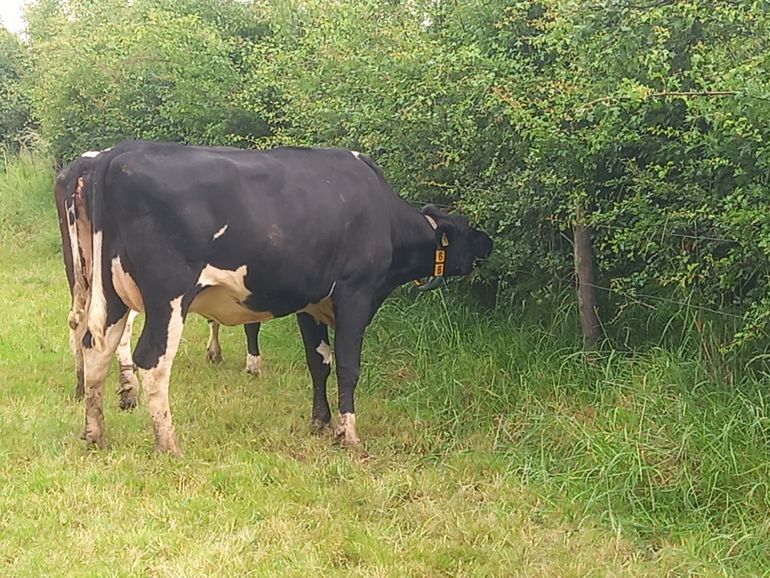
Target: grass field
491,449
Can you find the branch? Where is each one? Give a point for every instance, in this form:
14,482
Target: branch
678,94
503,95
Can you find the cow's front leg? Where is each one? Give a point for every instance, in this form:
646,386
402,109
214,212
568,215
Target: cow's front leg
213,349
128,385
352,316
96,365
154,357
318,353
253,359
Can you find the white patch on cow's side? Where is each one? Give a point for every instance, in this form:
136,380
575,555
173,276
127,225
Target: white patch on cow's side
323,311
155,384
275,235
346,430
125,286
253,364
356,154
223,296
325,352
219,233
97,310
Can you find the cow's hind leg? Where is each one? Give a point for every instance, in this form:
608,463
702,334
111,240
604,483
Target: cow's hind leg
318,353
96,365
154,357
253,359
77,353
213,349
128,385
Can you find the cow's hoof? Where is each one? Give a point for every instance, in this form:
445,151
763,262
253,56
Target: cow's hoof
127,402
345,433
128,391
172,451
254,364
74,319
214,356
321,427
94,438
167,444
79,393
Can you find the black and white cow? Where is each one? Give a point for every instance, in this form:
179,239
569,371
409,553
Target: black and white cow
240,237
69,182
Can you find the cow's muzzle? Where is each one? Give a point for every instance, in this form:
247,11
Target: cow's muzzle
431,283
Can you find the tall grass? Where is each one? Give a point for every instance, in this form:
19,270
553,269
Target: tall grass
493,447
27,209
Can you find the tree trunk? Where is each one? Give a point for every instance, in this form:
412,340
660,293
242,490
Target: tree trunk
586,290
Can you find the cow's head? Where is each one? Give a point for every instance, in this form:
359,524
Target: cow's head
463,244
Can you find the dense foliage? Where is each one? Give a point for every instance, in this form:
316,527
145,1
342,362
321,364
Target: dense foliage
650,114
15,110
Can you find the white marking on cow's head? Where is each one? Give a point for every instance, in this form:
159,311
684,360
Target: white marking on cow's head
219,233
325,352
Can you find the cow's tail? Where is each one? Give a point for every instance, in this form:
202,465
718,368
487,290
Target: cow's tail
69,190
97,307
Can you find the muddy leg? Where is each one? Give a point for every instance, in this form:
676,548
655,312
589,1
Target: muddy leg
253,359
96,365
128,387
154,356
77,353
318,354
213,349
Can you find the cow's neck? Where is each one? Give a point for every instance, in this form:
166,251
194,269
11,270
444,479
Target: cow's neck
414,246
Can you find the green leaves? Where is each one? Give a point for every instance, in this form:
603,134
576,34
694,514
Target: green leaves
15,110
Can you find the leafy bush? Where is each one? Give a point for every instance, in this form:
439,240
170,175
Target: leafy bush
649,116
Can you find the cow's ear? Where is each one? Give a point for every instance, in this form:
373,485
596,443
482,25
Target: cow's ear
445,232
445,229
431,211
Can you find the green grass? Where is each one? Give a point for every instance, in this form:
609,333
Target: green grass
491,449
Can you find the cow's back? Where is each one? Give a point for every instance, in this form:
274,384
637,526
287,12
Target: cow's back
298,219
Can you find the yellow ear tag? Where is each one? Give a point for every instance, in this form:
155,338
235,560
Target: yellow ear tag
438,263
444,240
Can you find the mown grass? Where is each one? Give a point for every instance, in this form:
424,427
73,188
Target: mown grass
491,449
